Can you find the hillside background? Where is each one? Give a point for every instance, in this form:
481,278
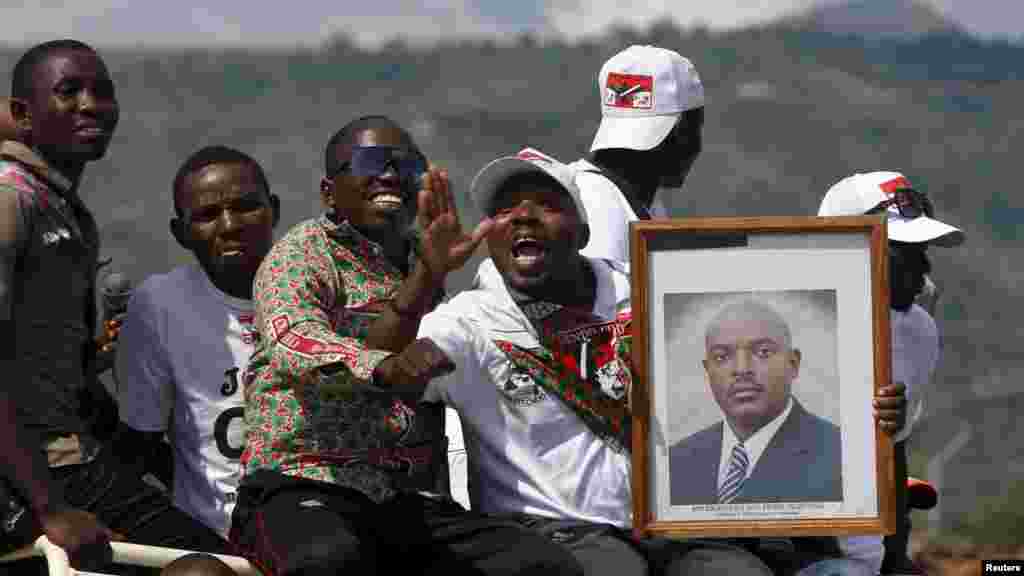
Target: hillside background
792,107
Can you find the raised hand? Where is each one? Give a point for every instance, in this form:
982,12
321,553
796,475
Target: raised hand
444,247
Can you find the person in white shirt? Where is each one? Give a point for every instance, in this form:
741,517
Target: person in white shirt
912,228
541,319
541,324
652,116
188,336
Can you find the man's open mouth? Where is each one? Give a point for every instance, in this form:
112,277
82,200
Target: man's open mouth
527,251
387,201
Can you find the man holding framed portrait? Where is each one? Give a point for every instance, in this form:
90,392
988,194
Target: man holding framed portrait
795,359
541,349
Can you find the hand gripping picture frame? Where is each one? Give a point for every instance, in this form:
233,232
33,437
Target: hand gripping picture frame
759,345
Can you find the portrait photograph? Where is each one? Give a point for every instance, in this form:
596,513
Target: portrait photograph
759,354
766,429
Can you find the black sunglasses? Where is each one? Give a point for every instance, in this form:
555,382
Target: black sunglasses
909,202
375,160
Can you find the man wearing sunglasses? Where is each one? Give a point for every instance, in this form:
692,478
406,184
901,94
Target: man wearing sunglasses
912,229
341,459
408,166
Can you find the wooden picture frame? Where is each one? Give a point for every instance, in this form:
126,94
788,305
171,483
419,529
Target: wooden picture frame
694,283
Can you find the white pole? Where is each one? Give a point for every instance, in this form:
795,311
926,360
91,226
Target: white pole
157,557
124,553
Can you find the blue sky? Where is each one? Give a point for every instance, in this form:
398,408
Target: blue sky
219,22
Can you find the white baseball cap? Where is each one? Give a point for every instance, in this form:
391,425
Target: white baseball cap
859,193
488,181
643,91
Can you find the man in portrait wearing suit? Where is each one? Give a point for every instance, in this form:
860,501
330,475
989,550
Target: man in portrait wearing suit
768,448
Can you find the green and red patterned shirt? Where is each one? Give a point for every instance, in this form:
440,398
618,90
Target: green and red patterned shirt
317,293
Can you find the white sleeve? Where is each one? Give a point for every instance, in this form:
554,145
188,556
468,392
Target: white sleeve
145,382
454,335
921,346
608,218
932,345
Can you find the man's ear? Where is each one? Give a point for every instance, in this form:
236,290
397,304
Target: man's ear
179,233
327,193
794,360
21,114
275,207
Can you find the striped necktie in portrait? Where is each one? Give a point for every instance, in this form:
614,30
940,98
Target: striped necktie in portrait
735,476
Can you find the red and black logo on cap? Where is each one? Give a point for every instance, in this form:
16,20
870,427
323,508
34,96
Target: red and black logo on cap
891,186
634,91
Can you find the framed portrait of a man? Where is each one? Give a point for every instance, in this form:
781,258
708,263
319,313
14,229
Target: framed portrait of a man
759,344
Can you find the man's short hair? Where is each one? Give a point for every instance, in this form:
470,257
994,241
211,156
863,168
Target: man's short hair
346,135
749,307
24,69
207,156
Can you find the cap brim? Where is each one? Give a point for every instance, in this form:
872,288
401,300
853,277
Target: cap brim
496,172
492,175
924,229
633,133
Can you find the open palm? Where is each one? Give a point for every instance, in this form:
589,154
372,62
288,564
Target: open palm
444,246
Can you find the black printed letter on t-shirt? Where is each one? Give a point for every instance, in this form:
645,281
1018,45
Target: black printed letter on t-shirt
220,426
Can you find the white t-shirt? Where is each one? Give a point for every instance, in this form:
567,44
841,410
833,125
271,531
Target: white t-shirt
528,452
915,354
609,215
183,350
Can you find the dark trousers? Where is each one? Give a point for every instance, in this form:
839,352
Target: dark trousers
896,544
125,503
606,550
292,526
